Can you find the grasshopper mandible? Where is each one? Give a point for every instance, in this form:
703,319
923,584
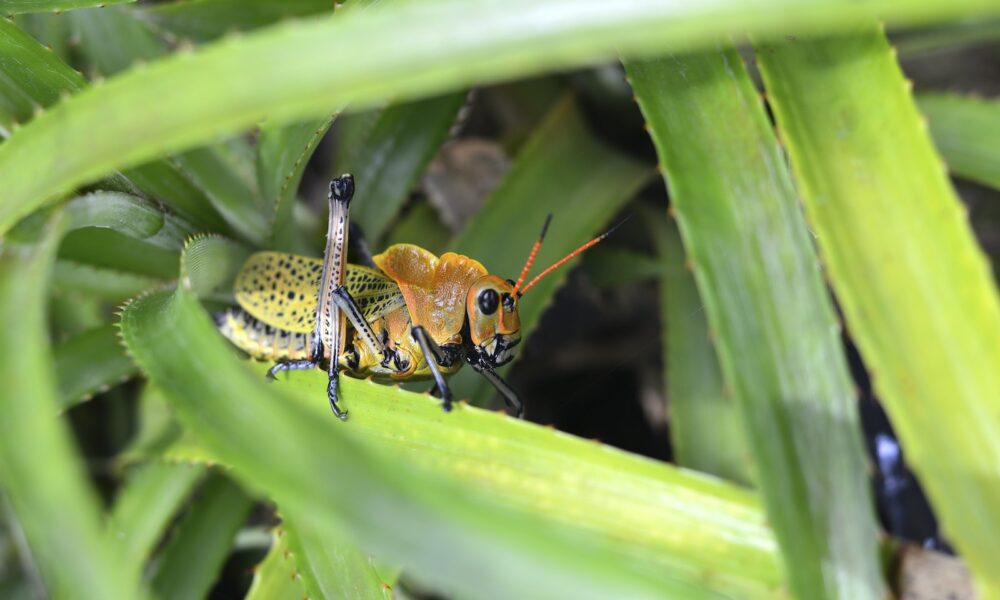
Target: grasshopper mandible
412,315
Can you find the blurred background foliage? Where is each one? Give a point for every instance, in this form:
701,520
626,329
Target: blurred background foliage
713,395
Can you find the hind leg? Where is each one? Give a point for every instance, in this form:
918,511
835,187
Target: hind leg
331,321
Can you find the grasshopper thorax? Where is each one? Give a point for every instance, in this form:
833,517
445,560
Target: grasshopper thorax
494,325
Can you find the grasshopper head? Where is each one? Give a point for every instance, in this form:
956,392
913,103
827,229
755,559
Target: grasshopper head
494,324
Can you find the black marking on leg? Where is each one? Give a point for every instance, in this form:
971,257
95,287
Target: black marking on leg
433,355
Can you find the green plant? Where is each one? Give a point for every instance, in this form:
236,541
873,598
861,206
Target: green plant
149,148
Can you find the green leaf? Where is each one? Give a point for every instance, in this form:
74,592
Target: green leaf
917,292
144,507
112,39
43,478
705,426
156,429
191,560
276,578
204,20
282,154
106,248
212,91
948,37
130,216
965,132
90,362
73,278
388,161
11,7
231,195
608,266
31,77
389,479
164,181
331,566
50,29
563,170
73,314
777,339
420,225
210,265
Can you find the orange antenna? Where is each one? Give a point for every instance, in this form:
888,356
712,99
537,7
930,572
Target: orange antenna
534,252
565,259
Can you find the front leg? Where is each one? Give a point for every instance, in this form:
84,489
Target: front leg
434,356
507,392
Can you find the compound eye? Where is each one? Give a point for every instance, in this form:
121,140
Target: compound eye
488,301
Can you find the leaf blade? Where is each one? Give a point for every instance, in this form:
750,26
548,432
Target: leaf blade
706,428
774,325
191,560
144,507
394,154
332,567
90,362
65,537
213,94
389,513
922,308
964,131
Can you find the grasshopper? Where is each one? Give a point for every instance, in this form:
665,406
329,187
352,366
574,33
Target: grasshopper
409,315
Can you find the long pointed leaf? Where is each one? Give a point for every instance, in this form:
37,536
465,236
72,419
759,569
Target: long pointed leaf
208,19
774,325
283,150
276,578
147,502
191,560
965,132
112,39
43,478
705,426
404,507
71,277
32,78
393,155
212,92
90,362
917,292
331,566
11,7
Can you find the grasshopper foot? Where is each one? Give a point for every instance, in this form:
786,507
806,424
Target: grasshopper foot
331,394
293,365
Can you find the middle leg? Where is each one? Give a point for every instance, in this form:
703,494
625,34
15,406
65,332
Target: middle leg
434,357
